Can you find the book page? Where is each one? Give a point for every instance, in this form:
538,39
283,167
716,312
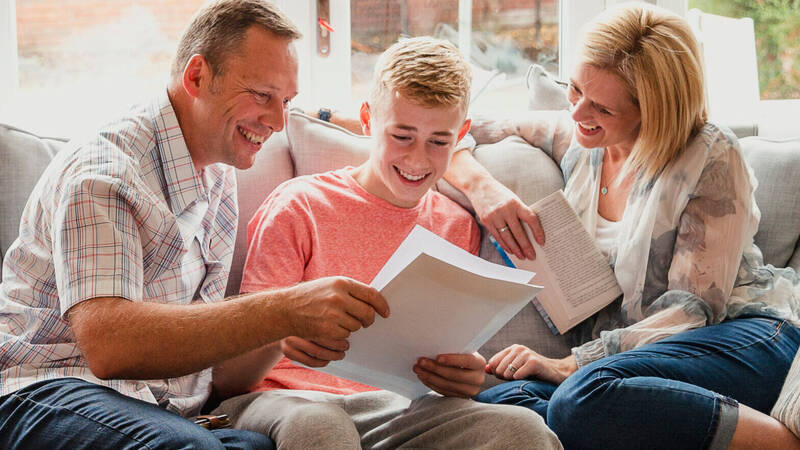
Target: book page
578,266
576,276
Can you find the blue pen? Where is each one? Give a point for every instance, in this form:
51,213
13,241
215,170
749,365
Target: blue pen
502,252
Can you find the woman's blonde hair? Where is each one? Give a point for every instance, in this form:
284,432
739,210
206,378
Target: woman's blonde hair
656,55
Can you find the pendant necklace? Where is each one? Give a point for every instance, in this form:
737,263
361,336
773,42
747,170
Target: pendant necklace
604,190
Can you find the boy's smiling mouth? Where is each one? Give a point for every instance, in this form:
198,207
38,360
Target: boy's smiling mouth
409,176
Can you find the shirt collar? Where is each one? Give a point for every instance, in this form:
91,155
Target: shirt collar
183,185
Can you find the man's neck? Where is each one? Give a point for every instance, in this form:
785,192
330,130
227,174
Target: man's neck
180,104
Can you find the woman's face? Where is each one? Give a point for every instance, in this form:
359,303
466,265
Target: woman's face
603,110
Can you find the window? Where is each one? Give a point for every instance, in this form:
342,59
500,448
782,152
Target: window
504,37
69,65
777,30
79,61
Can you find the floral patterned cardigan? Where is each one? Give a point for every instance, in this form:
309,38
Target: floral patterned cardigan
685,256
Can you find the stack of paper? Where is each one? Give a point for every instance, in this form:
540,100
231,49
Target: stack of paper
443,299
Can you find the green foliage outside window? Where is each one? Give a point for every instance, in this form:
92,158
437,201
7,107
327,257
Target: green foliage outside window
777,28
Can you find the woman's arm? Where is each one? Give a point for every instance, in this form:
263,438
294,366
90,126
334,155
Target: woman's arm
550,131
497,207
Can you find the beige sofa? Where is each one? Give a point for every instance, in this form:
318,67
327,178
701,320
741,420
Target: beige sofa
309,145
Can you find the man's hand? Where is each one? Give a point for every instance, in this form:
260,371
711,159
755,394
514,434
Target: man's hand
312,354
452,375
518,362
329,309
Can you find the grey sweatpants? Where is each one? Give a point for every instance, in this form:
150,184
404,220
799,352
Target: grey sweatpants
297,419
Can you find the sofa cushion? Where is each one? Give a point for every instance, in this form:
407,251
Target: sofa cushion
24,158
545,92
776,163
317,146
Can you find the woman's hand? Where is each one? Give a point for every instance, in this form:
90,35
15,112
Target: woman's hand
518,362
503,213
452,375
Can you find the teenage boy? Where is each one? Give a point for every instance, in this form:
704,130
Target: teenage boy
348,222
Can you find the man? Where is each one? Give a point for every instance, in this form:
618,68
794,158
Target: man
349,222
112,324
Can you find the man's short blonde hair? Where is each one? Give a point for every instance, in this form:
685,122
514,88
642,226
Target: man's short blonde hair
424,70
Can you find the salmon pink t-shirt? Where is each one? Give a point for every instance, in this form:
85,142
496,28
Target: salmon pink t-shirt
327,224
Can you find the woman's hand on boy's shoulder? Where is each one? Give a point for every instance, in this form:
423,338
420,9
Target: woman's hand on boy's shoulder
518,362
453,374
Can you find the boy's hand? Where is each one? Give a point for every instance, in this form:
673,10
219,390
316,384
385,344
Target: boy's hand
313,354
452,375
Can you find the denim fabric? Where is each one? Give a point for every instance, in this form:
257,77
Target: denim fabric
69,413
680,392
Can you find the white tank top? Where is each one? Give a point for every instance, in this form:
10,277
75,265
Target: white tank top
606,234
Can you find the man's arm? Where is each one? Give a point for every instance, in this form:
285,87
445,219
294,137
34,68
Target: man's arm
132,340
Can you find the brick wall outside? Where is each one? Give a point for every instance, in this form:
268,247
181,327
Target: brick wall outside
43,25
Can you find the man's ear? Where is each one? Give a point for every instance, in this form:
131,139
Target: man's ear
364,116
464,129
196,75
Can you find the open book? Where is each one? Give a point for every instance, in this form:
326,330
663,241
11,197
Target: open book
443,299
576,276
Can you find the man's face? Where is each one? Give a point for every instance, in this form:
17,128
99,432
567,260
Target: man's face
242,107
413,145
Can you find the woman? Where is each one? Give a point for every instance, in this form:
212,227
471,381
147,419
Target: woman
701,325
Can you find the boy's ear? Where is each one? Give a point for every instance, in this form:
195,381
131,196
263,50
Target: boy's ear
364,116
464,129
195,74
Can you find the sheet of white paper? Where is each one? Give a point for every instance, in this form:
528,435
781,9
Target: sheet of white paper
436,307
422,240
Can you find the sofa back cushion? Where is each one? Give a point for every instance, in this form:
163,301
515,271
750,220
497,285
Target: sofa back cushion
23,157
776,164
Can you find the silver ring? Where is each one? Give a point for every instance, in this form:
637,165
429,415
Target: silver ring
505,228
511,368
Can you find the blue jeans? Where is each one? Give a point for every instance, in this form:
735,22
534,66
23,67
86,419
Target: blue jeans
70,413
679,392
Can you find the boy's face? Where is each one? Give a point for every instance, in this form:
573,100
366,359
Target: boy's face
413,145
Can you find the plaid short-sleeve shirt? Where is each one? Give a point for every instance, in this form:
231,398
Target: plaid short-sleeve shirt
123,214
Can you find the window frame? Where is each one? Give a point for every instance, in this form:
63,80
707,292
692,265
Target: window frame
9,68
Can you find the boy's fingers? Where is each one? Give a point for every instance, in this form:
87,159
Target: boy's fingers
471,361
312,349
444,386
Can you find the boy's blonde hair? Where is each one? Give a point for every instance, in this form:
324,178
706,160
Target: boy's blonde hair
657,57
424,70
